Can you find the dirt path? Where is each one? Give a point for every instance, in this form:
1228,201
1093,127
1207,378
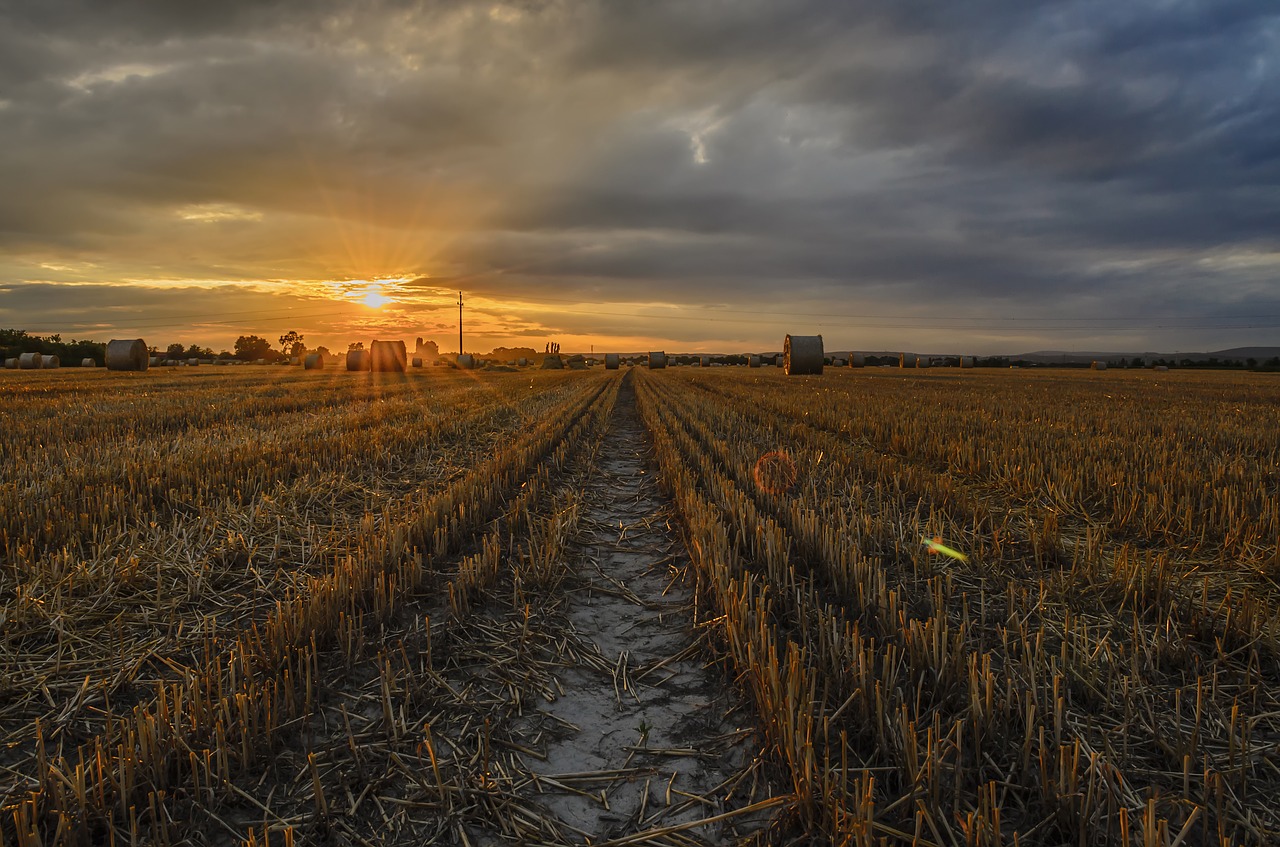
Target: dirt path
648,736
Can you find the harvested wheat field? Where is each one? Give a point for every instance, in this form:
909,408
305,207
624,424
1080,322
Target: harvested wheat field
639,607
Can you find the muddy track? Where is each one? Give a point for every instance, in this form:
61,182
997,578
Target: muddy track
662,730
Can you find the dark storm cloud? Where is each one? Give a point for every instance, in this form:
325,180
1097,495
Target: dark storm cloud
987,158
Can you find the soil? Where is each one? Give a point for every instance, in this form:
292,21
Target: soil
660,715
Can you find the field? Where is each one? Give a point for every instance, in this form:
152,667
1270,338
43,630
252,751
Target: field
256,605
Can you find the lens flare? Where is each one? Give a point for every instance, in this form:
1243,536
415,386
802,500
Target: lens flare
935,545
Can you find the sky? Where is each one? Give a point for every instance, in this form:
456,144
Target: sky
990,176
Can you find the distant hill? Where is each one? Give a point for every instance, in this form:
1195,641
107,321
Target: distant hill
1051,356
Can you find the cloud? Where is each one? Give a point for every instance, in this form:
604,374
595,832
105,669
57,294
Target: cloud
965,164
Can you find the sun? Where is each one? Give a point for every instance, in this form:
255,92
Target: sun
375,297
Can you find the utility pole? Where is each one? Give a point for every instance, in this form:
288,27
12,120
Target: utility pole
459,323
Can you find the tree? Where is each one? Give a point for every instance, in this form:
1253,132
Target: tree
251,347
355,345
174,351
291,343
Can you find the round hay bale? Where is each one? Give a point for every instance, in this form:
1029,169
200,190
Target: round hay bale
416,361
466,361
857,360
906,360
523,362
88,363
611,361
577,363
1098,365
192,363
1161,368
802,354
357,360
388,357
657,360
837,363
967,361
127,354
29,361
704,361
293,360
922,362
552,362
50,363
11,364
154,361
313,362
753,361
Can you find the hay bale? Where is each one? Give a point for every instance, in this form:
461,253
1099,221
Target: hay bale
753,361
357,360
704,361
857,360
49,363
466,361
906,360
611,361
313,362
192,363
967,361
154,361
388,357
11,364
29,361
552,363
416,361
523,362
88,363
802,354
293,360
837,363
1098,365
1161,368
127,354
576,362
657,359
922,362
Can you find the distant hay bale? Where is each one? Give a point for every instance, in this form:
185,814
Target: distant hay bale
50,363
611,361
466,361
967,361
704,361
657,359
523,361
127,354
293,360
576,362
29,361
357,360
416,361
552,363
313,362
255,361
11,364
1098,365
922,362
780,361
88,363
837,363
388,357
906,360
1162,368
802,354
857,360
154,361
191,363
753,361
